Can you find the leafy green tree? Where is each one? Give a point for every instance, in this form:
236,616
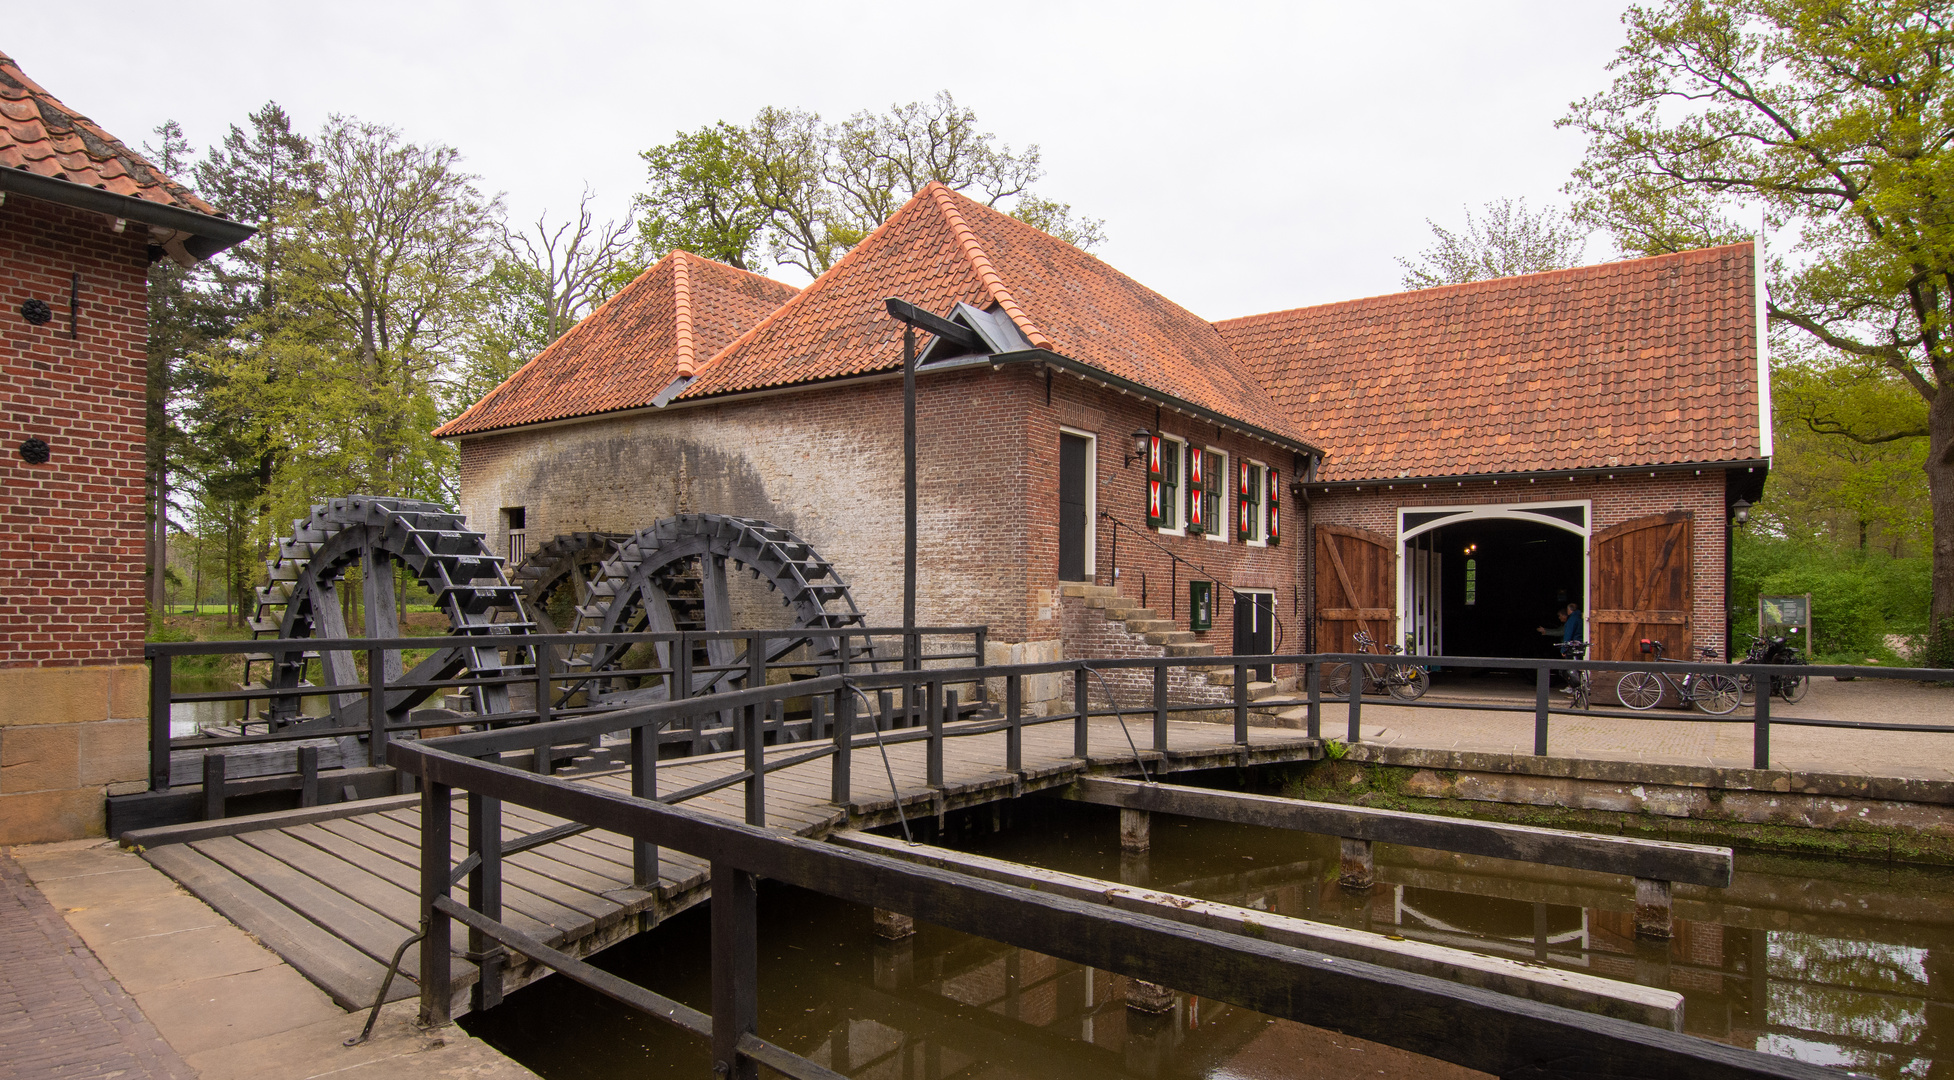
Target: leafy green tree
1834,117
1858,496
801,192
1505,240
182,321
701,197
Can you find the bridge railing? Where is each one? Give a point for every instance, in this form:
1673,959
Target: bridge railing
892,706
538,671
1512,1036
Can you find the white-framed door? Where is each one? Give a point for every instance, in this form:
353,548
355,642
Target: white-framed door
1421,602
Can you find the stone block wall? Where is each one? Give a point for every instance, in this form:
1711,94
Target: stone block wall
72,699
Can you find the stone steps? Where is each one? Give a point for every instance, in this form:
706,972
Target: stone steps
1142,622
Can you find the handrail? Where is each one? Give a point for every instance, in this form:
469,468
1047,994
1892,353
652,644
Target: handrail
1281,634
715,720
1409,1010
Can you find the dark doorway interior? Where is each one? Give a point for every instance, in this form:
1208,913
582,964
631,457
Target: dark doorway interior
1255,628
1501,581
1073,461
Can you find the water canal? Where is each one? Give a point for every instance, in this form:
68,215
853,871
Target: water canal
1835,962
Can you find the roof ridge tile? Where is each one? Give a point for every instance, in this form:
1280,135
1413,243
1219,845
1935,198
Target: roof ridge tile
681,315
987,273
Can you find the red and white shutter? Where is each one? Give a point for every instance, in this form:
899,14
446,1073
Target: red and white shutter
1274,531
1156,484
1197,514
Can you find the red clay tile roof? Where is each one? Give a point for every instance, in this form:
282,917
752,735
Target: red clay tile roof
662,325
942,248
1644,362
41,135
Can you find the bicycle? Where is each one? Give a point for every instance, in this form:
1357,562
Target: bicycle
1775,650
1715,694
1580,684
1407,682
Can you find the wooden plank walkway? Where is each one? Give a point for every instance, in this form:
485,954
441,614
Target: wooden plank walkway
336,897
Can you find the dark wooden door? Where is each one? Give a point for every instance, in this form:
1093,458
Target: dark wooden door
1643,587
1356,587
1073,470
1255,628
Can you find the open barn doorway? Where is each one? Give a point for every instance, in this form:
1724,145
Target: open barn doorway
1482,581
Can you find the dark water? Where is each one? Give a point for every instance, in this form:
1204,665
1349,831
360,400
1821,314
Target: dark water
1839,963
187,716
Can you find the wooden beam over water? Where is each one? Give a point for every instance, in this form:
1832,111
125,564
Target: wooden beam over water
1574,990
1660,860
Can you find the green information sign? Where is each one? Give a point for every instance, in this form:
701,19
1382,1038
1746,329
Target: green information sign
1200,605
1777,611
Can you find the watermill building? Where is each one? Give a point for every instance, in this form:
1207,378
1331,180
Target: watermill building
1323,470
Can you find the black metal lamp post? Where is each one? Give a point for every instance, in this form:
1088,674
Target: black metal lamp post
911,318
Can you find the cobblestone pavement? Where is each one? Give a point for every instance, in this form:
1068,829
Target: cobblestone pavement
61,1013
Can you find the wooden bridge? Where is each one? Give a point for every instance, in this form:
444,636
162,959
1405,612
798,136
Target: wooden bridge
558,867
334,890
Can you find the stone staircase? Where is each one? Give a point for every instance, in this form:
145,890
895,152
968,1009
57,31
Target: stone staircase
1147,625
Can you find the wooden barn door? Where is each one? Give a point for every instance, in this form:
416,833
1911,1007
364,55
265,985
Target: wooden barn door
1642,577
1356,587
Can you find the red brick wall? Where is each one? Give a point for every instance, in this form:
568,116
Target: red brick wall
828,464
1615,500
71,531
1122,490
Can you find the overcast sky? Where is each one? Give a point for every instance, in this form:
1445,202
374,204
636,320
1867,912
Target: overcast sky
1245,157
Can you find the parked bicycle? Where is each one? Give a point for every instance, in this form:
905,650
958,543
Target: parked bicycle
1775,650
1716,694
1580,684
1405,681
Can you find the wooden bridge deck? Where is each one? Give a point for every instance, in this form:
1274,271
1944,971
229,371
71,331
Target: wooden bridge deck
335,896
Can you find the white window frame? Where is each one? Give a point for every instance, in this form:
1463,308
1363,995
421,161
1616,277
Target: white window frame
1092,498
1227,501
1177,506
1260,507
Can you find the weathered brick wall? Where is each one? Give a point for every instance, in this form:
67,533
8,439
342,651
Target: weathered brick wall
828,465
1621,498
1088,634
825,463
71,546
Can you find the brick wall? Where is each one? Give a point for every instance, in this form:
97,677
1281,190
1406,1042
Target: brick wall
1143,557
71,546
828,465
1621,498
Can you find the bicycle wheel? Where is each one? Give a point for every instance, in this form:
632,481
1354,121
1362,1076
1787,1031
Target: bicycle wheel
1336,680
1583,688
1639,689
1747,687
1716,694
1793,688
1408,682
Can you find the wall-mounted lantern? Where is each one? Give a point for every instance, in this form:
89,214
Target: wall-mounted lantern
1740,512
1142,442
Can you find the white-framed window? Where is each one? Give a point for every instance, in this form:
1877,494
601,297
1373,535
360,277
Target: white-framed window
1173,481
1213,493
1252,502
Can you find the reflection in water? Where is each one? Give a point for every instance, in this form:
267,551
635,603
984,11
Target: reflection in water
1775,963
187,717
934,1006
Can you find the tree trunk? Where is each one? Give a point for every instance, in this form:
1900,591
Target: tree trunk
1940,489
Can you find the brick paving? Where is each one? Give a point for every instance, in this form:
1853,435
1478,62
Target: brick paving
61,1013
